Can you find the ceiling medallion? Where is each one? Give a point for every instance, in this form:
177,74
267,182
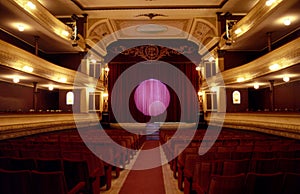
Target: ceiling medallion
151,28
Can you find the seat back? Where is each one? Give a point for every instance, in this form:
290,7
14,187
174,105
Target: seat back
291,183
15,182
203,170
21,164
233,167
49,165
48,182
264,183
76,171
264,165
220,184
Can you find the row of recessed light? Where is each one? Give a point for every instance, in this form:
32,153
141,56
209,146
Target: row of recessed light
273,67
16,79
26,68
285,78
22,27
286,20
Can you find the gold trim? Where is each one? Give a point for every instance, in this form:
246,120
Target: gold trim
285,125
254,17
16,58
286,56
42,16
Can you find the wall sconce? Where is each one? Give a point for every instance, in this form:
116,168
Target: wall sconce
105,95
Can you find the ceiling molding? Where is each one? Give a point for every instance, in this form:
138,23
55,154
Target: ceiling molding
127,29
97,8
204,33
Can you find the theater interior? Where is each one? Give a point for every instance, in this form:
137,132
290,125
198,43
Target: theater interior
149,96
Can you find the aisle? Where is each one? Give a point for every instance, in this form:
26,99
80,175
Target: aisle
145,181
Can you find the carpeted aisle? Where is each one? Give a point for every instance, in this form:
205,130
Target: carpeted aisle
145,181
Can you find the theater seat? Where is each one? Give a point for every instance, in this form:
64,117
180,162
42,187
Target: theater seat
264,183
220,184
291,183
53,182
15,182
233,167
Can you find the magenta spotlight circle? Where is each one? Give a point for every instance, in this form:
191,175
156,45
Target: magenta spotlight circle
152,97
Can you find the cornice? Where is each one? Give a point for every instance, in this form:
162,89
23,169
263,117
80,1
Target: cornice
83,8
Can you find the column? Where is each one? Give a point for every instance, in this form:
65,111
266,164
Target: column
84,100
84,66
221,98
269,34
35,96
36,45
271,95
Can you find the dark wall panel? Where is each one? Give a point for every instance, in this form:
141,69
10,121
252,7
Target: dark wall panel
243,106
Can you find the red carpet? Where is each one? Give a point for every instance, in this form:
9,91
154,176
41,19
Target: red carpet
145,181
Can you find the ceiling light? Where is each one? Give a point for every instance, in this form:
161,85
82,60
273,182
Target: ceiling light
50,87
62,80
274,67
105,94
16,80
200,93
27,69
269,2
287,21
237,31
21,27
30,5
106,69
256,85
198,68
286,78
240,79
65,33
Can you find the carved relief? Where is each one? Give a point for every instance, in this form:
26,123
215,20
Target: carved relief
152,52
100,30
203,31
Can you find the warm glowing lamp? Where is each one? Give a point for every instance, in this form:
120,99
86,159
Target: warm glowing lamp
286,78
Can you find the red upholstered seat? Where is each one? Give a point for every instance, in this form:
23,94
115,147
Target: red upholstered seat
220,184
291,183
53,182
264,183
15,182
233,167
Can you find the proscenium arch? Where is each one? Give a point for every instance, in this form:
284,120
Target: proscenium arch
210,136
105,34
